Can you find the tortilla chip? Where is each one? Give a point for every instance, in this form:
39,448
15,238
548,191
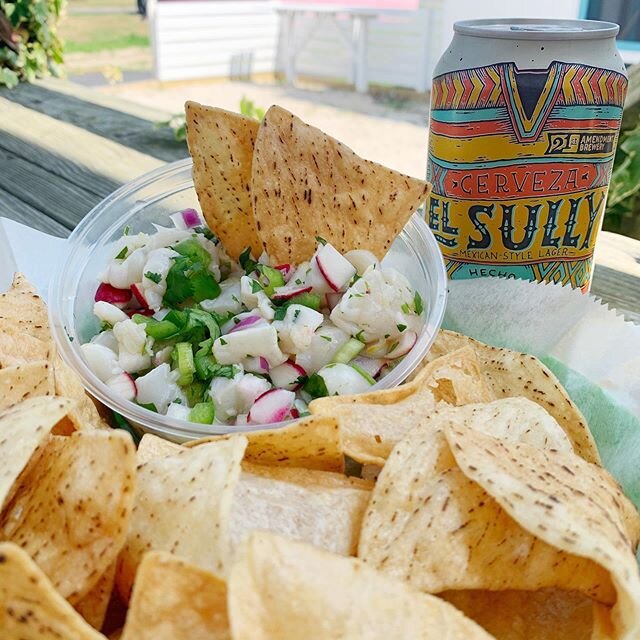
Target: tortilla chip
69,385
152,447
311,443
18,347
306,184
24,431
307,477
281,589
30,607
182,505
564,501
455,379
22,308
328,518
511,374
24,381
93,607
372,423
221,145
71,509
527,615
424,508
173,599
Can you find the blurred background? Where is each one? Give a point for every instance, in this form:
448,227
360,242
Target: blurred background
359,69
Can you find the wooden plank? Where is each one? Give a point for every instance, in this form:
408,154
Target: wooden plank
100,115
96,164
14,209
617,273
65,202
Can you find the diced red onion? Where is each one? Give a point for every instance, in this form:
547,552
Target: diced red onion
245,322
187,219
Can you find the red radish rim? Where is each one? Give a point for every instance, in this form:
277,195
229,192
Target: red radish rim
403,352
139,296
324,275
291,293
108,293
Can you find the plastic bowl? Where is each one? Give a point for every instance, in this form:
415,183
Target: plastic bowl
151,199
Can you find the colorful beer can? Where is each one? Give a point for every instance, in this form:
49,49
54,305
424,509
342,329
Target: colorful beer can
524,122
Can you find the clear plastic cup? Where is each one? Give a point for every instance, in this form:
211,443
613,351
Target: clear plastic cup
151,199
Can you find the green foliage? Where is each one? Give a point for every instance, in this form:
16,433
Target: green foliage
249,109
624,191
39,49
179,126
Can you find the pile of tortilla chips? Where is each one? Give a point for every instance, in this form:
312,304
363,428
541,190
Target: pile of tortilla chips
490,515
279,184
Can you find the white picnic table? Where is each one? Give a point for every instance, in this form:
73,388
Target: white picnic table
355,35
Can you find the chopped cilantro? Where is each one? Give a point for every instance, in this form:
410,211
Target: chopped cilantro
417,303
401,327
255,286
123,253
296,313
207,233
280,313
405,308
154,277
387,335
327,338
223,342
393,346
316,387
150,406
298,281
246,262
126,230
321,240
301,379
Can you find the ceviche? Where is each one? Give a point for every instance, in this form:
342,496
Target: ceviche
190,333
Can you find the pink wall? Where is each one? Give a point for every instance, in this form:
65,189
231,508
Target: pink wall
370,4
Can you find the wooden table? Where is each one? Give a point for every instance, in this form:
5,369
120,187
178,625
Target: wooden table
63,148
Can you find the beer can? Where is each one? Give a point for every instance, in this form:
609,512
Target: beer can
524,122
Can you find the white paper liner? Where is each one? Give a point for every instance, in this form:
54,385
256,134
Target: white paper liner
552,320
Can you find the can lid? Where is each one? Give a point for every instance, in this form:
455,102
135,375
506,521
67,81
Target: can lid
537,29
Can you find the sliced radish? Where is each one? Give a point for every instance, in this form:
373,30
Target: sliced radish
406,343
272,406
256,364
281,294
332,299
249,389
287,376
107,293
136,289
373,366
123,385
335,268
286,270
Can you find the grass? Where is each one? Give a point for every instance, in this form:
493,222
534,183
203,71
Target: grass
100,32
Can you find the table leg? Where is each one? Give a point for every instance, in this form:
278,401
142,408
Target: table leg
360,41
289,18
